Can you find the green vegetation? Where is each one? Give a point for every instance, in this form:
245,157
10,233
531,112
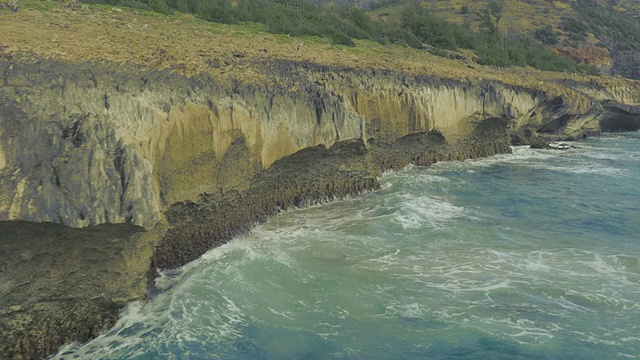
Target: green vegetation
546,35
490,46
342,22
617,31
490,16
431,29
502,50
577,30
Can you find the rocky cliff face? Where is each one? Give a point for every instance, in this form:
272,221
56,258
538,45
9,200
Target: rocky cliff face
87,144
620,117
198,160
626,63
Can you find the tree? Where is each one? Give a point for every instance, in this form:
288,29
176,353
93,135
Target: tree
490,16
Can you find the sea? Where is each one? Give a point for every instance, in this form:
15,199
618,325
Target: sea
532,255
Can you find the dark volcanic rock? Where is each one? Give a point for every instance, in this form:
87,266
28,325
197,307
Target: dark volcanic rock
311,176
59,285
619,117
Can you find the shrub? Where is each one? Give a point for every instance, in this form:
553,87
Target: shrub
546,35
428,27
342,39
159,6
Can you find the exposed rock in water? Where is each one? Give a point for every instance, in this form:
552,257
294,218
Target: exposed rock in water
196,161
528,137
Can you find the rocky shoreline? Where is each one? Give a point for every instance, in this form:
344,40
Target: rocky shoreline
157,168
71,290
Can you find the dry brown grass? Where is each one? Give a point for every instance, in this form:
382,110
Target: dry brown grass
191,46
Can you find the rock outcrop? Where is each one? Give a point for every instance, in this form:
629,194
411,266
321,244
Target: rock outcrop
620,117
197,160
590,55
626,63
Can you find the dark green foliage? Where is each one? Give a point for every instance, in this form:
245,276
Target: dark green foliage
617,31
588,69
375,4
546,35
400,36
342,39
428,27
159,6
501,50
577,30
490,16
302,18
213,10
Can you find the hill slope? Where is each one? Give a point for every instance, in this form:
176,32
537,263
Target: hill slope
594,32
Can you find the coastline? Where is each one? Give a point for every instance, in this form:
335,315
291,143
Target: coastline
199,154
248,191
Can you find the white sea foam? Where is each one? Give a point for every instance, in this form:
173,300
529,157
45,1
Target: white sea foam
596,169
519,154
426,178
413,310
416,212
536,158
600,155
135,315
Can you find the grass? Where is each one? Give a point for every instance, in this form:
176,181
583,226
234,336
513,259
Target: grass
120,35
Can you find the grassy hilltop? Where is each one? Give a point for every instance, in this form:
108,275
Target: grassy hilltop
584,36
188,43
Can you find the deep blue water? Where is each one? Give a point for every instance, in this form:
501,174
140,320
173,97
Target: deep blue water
534,255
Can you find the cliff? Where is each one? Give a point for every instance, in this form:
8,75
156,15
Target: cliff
145,165
86,144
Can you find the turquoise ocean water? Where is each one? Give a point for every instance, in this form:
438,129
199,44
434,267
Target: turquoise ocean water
534,255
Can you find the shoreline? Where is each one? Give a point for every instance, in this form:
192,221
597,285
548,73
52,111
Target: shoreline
108,316
181,271
197,162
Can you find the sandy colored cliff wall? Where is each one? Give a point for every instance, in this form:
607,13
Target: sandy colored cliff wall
85,144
